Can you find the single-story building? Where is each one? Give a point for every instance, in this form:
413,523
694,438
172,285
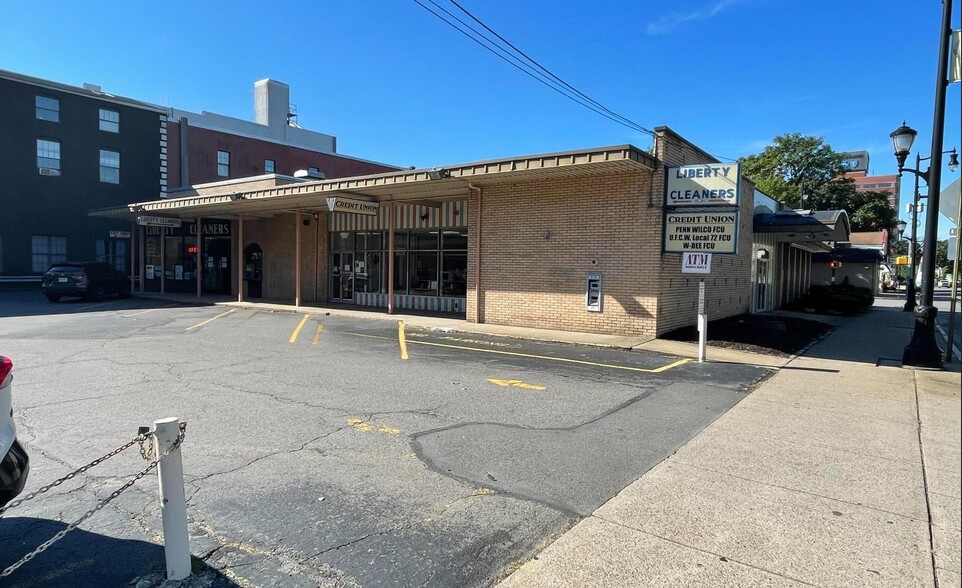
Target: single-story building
571,241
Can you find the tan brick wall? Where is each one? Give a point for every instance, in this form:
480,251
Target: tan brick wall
602,223
276,238
728,287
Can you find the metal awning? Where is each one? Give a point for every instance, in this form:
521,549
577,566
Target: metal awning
804,226
424,185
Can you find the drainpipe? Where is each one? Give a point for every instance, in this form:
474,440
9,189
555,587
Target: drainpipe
477,262
390,257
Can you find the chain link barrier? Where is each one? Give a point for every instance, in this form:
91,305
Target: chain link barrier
146,441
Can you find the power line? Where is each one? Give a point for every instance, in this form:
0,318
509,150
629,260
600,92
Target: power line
501,53
549,72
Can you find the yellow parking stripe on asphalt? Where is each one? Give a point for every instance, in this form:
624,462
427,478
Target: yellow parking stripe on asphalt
530,355
210,320
402,340
138,313
317,335
297,330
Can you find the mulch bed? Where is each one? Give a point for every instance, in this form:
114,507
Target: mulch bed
766,334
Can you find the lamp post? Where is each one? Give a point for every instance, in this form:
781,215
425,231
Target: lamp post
900,227
913,243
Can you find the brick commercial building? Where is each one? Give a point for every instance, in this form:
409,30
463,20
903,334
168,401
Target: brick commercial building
571,241
856,165
68,149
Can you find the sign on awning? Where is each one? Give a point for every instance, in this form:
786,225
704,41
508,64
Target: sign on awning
705,184
708,232
158,221
352,206
119,234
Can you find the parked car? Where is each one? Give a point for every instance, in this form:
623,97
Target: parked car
944,283
90,279
15,463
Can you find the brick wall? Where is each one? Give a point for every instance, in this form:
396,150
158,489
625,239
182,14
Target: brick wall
276,238
728,287
540,239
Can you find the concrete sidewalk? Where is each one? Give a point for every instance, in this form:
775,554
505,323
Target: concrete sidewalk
835,472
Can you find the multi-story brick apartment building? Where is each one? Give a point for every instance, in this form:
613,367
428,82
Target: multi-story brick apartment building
67,150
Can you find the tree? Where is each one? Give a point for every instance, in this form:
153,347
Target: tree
804,172
793,166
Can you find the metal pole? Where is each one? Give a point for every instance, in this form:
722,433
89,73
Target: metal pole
163,258
913,246
143,259
133,243
923,350
297,257
390,257
702,323
198,256
173,503
240,258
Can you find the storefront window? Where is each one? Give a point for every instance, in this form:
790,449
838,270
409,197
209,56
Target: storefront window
454,274
342,241
423,275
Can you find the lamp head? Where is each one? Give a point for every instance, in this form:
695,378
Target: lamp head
953,160
902,139
900,226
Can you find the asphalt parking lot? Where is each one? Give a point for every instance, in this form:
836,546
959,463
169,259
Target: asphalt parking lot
329,450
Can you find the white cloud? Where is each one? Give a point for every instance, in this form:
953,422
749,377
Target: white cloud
667,23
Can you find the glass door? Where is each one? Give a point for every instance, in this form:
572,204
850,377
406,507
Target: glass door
342,277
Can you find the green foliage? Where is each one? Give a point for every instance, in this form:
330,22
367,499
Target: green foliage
795,165
792,166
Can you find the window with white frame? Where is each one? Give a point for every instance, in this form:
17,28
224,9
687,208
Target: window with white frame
46,251
223,164
48,157
109,166
269,166
48,108
109,120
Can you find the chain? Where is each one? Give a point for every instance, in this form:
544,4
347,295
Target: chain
72,474
60,534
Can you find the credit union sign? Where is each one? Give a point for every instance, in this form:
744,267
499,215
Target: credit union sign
352,206
703,232
706,184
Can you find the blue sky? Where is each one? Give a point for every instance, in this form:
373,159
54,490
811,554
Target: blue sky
395,84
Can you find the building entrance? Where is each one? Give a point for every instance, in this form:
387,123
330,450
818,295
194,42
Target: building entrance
342,277
216,276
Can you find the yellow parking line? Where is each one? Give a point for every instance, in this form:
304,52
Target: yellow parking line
297,329
148,310
402,340
533,356
210,320
317,335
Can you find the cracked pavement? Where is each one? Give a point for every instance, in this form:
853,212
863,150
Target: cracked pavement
336,464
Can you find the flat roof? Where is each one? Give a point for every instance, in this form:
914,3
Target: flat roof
86,92
412,185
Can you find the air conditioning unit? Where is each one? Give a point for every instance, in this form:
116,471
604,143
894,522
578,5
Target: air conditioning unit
49,171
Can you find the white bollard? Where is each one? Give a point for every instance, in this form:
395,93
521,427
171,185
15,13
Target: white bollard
173,503
702,337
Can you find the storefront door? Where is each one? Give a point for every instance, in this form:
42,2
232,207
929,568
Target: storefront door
342,277
216,266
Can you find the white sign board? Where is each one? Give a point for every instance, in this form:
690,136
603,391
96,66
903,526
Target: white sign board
952,248
158,221
705,232
352,206
701,297
119,234
695,263
707,184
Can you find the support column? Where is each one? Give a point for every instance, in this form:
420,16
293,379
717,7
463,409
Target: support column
143,259
390,257
240,258
163,259
133,242
198,255
297,257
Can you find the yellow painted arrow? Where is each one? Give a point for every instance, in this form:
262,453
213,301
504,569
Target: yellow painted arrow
516,384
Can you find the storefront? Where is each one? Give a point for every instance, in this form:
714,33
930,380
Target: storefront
572,241
171,253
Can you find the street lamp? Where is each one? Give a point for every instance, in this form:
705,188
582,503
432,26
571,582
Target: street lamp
913,242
